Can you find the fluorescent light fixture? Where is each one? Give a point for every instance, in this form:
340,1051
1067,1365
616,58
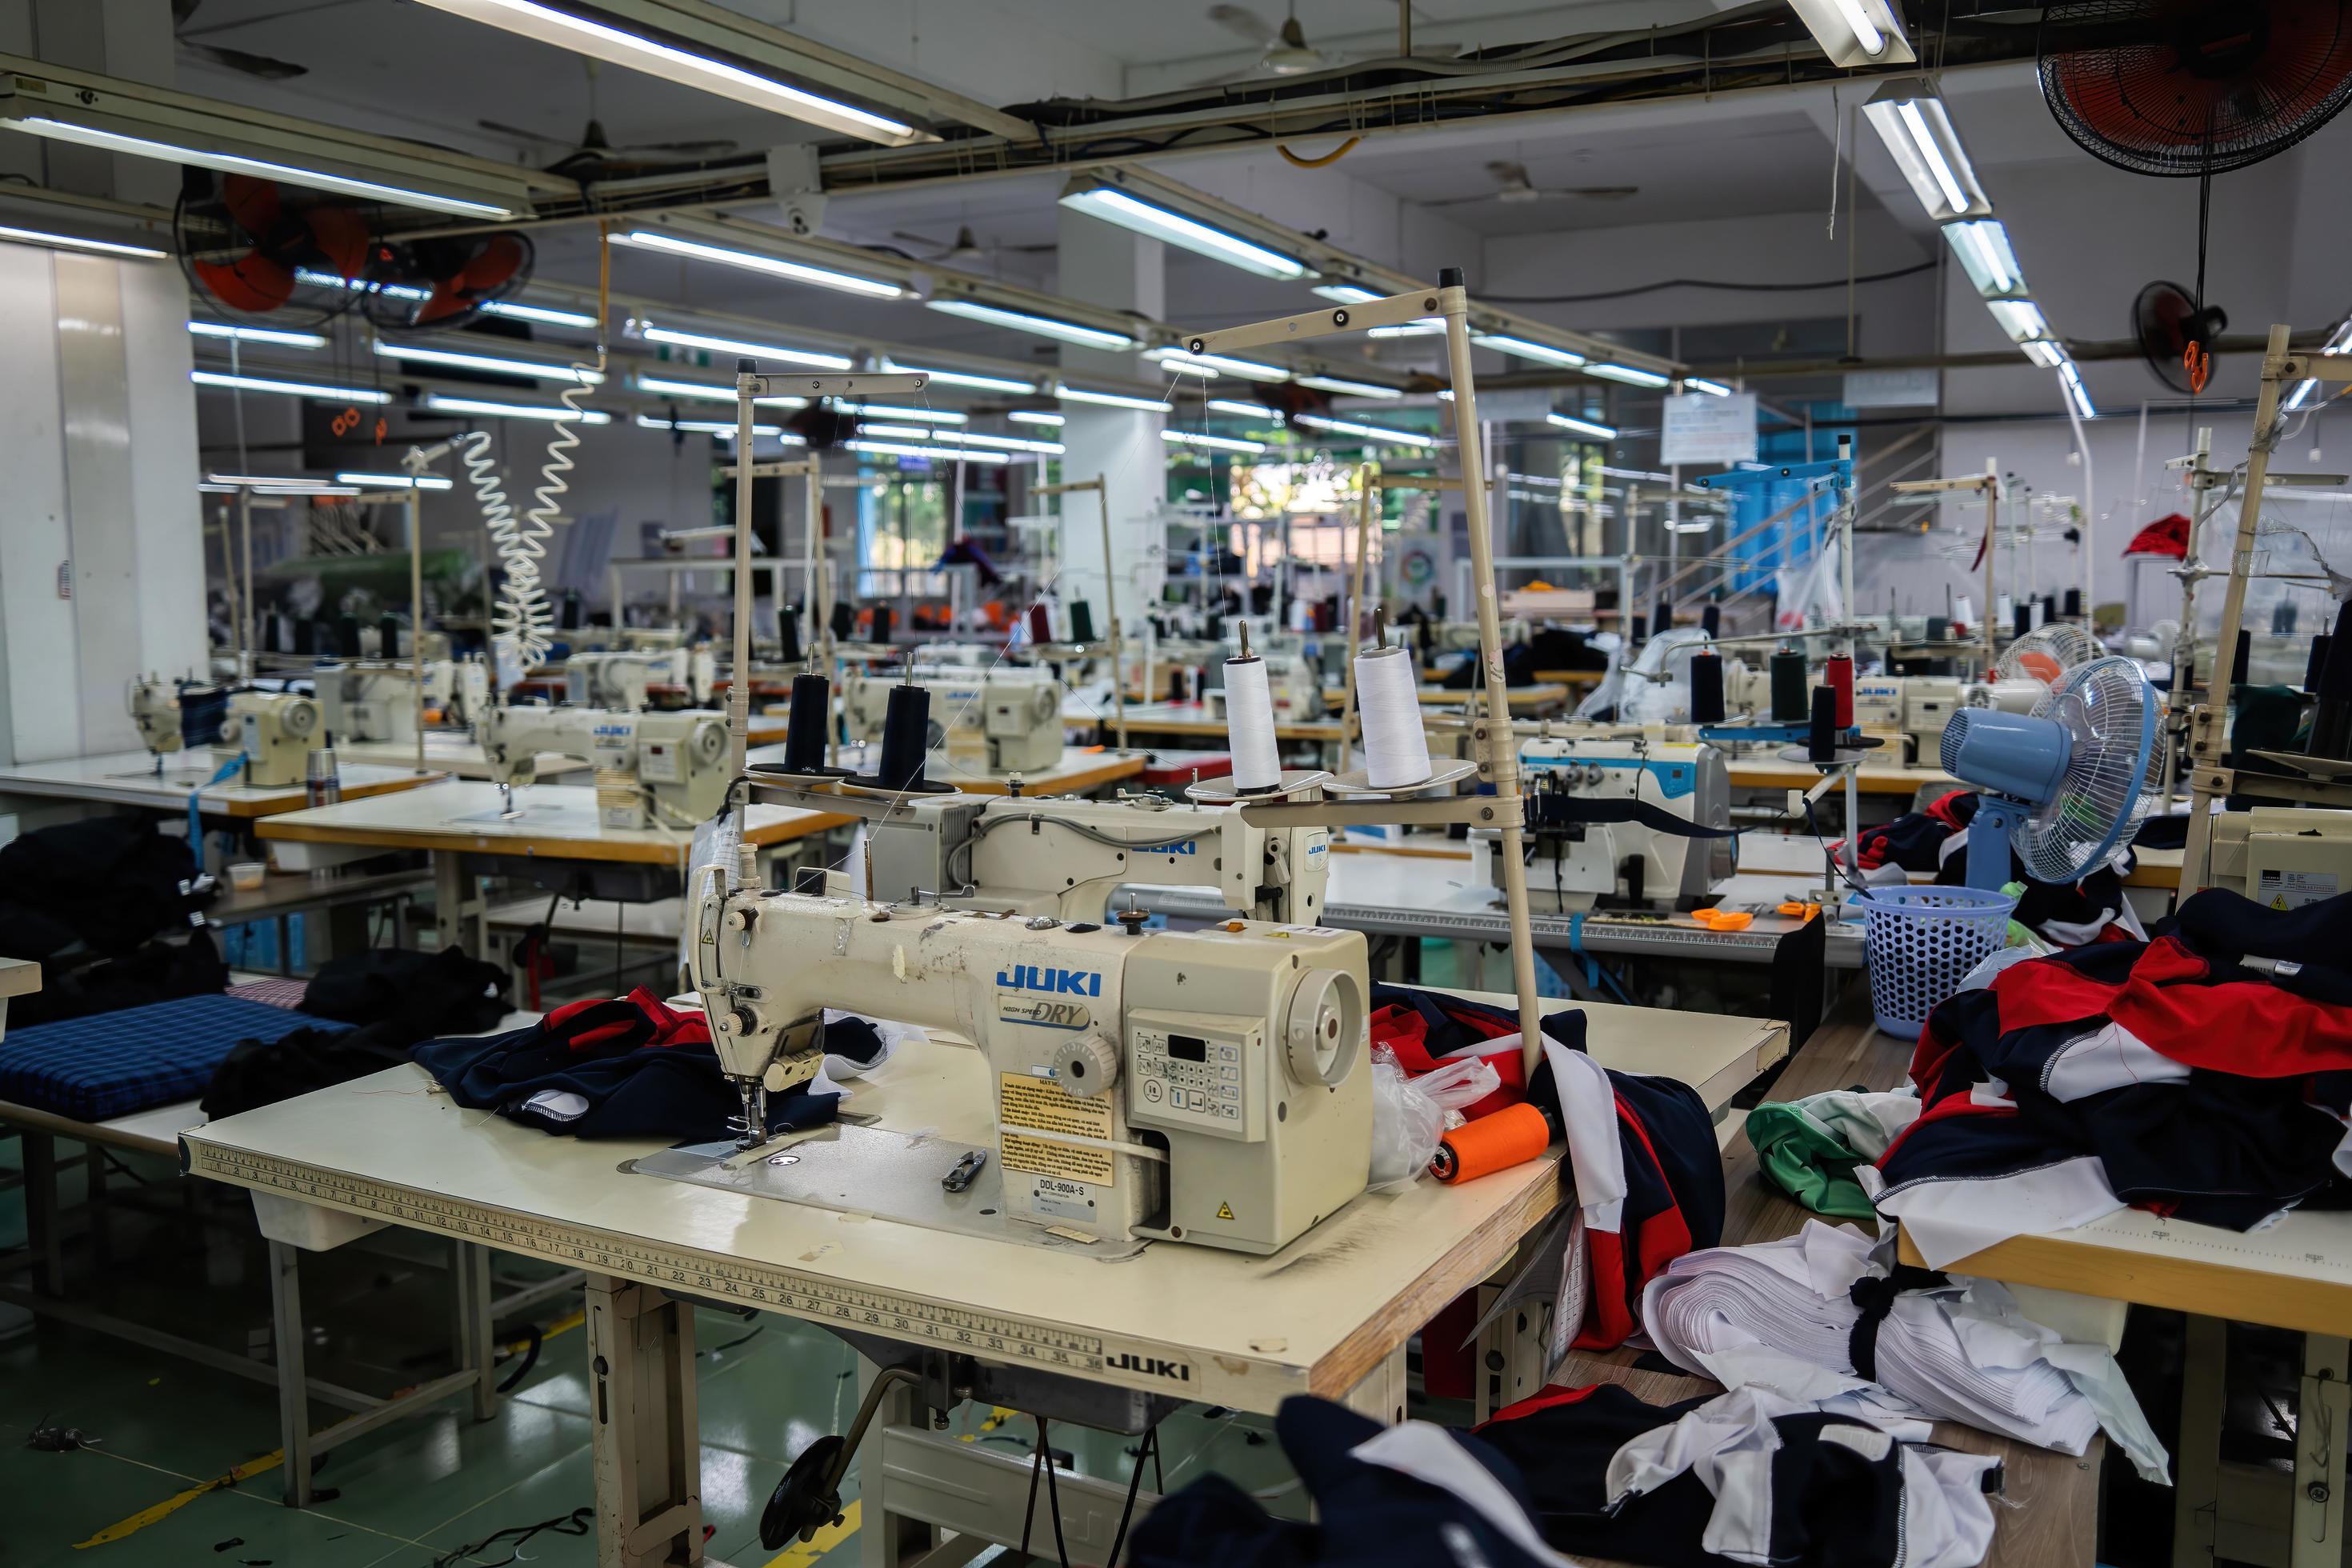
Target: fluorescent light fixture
14,236
1018,443
1631,374
395,481
546,315
1425,326
302,482
2337,341
549,411
1369,432
228,163
1115,205
753,261
663,387
1217,443
537,370
902,432
210,488
1582,426
890,411
1348,388
1528,348
1539,480
1069,393
721,429
258,335
1235,405
2045,352
1856,32
1043,326
1910,119
709,72
290,388
1039,416
317,279
1215,364
1638,474
2071,380
678,338
972,379
1346,293
1982,247
2020,318
1700,384
900,450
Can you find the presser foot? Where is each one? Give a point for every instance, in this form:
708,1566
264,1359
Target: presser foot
751,1127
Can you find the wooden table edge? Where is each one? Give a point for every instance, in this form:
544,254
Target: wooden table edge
2152,1279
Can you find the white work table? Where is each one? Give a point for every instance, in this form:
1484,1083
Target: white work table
1330,1314
130,778
450,751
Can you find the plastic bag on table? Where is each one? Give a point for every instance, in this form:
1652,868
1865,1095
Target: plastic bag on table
1461,1083
715,840
1407,1122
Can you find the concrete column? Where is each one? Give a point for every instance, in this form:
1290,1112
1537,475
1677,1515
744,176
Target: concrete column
102,548
1104,265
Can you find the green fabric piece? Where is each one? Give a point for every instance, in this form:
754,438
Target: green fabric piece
1807,1160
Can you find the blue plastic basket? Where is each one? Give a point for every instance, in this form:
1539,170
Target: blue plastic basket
1919,943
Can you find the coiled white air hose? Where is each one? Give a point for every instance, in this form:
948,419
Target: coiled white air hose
523,623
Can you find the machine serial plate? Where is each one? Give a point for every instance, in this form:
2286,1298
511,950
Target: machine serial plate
760,1285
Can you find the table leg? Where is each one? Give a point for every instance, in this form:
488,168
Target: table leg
1381,1394
887,1540
293,1379
2323,1429
2197,1480
646,1443
41,1211
478,1352
102,1251
461,916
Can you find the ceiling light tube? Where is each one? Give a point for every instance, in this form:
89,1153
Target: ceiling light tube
1018,443
359,285
901,432
1345,293
1425,326
1043,326
1039,416
2071,380
753,261
663,387
1369,432
722,428
1069,393
1235,405
900,449
709,72
494,410
1528,348
1700,384
1348,388
2020,318
456,359
678,338
1856,32
290,388
1983,250
395,481
1214,365
889,411
1910,118
1597,431
1631,374
2044,353
546,315
1216,443
972,379
258,335
11,234
1113,205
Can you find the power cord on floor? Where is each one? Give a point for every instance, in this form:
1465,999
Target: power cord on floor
579,1521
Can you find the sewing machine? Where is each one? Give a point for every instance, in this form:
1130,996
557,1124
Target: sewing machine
460,689
1001,721
1915,707
2282,856
272,731
367,702
155,708
1207,1086
621,679
679,759
1579,865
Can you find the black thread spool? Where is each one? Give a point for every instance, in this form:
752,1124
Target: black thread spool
843,620
1082,621
1820,737
905,738
1665,616
2283,614
2245,656
1640,629
1216,627
2317,664
305,638
1789,701
1710,619
2073,602
882,623
789,650
568,617
1939,627
2331,722
805,724
2021,617
2049,608
387,636
1707,688
347,635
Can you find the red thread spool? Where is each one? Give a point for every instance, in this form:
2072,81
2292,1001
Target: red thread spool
1837,674
1511,1136
1041,626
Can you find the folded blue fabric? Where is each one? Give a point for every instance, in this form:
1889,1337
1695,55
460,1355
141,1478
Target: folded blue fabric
104,1065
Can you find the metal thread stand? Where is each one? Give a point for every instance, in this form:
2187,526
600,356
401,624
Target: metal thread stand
1110,596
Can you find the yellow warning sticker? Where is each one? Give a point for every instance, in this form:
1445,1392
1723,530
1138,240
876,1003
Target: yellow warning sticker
1225,1211
1043,1105
1044,1157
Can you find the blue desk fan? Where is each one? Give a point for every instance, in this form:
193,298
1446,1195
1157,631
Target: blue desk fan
2065,784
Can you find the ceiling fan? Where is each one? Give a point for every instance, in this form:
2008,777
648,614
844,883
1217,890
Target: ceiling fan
1513,186
966,251
242,61
594,154
1286,49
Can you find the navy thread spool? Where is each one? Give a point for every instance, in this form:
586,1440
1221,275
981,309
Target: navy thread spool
882,623
1707,688
1710,619
347,635
2317,664
1939,627
387,636
1665,617
2283,618
1788,699
2073,602
1821,737
2245,655
2049,608
1082,621
805,724
906,737
787,650
2021,617
2331,722
843,620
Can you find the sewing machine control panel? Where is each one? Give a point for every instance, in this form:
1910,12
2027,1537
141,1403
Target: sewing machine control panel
1197,1072
661,762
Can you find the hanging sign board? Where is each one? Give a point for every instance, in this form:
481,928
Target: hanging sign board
1705,429
1890,388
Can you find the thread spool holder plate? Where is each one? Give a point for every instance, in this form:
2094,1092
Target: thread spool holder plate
1444,775
1221,791
773,775
1839,757
874,789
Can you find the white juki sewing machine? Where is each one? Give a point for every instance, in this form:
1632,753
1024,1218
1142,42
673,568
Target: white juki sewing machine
272,731
1208,1086
1915,707
1578,858
677,760
155,708
460,689
621,679
1000,721
367,702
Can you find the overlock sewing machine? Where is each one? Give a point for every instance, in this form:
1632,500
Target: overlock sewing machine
155,706
679,759
1003,720
367,701
273,731
1634,823
624,678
